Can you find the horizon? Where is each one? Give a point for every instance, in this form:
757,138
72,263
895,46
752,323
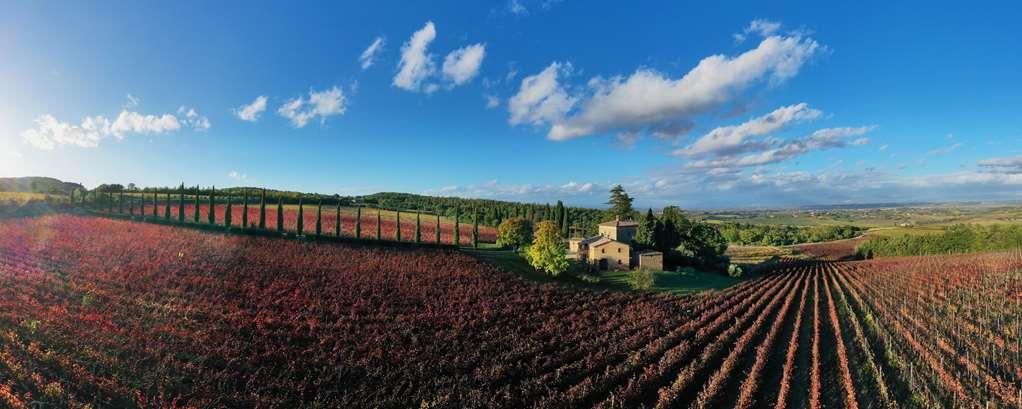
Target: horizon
528,101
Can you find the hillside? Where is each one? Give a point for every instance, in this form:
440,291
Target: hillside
37,184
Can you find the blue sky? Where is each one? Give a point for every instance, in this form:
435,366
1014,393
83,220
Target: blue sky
735,105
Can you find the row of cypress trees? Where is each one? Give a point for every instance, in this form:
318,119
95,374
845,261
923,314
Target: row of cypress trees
106,200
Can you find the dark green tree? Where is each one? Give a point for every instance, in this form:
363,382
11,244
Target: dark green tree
181,203
301,217
418,226
319,217
244,210
379,230
475,229
337,220
559,216
358,222
280,214
645,235
437,228
195,209
457,228
397,234
156,205
212,205
120,202
566,224
262,209
131,206
166,207
227,213
620,203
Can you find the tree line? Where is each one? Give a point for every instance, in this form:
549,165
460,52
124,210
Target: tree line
784,235
960,238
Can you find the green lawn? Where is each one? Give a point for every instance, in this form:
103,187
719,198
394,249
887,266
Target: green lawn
667,281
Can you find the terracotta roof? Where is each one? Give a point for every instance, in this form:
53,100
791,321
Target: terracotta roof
602,241
620,223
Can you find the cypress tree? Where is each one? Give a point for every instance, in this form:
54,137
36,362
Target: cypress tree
319,217
181,203
337,220
120,203
244,212
559,216
378,231
212,205
262,209
156,205
131,206
195,208
565,230
475,229
438,228
457,228
227,213
301,223
71,198
418,226
166,207
397,233
280,214
358,222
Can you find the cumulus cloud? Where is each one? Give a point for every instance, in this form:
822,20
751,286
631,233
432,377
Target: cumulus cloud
368,56
496,189
648,99
541,99
729,140
517,8
251,111
416,63
322,104
463,64
49,132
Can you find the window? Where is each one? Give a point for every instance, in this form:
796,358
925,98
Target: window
619,249
603,251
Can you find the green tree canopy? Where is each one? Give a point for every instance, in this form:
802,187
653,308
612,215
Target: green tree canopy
646,234
547,252
620,203
515,233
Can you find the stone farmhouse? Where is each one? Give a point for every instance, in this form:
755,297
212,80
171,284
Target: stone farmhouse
611,249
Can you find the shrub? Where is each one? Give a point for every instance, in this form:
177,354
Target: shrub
642,279
734,271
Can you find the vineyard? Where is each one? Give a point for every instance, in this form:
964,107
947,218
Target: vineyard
114,313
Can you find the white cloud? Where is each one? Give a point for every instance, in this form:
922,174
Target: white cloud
1011,165
764,28
320,104
733,139
368,56
883,147
131,102
416,64
50,132
860,141
517,8
779,151
134,122
491,101
463,64
540,98
251,111
237,176
193,120
945,150
647,99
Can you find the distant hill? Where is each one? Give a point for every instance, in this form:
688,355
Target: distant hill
37,184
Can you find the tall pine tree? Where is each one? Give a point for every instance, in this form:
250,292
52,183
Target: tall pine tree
397,234
195,208
358,222
379,230
457,228
418,225
475,229
620,203
166,206
437,228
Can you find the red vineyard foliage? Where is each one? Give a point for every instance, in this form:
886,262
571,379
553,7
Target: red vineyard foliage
113,313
